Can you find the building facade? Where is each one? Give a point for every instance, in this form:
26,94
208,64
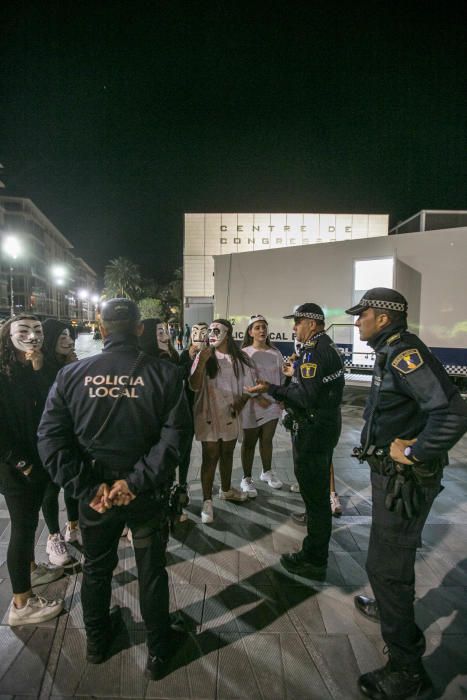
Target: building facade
46,278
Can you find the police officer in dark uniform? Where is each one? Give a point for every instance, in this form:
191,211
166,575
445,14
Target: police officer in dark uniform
413,416
121,470
314,397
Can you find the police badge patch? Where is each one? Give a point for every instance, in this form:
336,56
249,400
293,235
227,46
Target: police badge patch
308,370
408,361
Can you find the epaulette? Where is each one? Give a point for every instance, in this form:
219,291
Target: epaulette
393,339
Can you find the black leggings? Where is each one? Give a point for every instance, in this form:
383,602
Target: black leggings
24,507
50,507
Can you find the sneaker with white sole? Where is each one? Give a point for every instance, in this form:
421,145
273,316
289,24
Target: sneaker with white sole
336,508
72,534
248,487
37,609
207,513
232,495
45,573
295,488
57,550
271,479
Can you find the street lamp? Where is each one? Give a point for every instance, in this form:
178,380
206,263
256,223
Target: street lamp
12,247
59,275
83,294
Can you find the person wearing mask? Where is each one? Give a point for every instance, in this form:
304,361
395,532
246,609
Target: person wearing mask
110,434
219,375
155,340
58,350
261,414
23,390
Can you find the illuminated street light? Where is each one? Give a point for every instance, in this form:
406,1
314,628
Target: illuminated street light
95,298
83,293
12,247
59,275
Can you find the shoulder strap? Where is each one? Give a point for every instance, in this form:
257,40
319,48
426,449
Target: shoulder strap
134,368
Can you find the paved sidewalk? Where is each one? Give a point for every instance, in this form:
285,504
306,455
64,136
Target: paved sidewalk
257,632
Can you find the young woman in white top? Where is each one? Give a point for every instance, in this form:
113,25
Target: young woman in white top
262,413
219,375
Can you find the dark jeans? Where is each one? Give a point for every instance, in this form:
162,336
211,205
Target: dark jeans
312,461
101,534
50,507
390,566
23,505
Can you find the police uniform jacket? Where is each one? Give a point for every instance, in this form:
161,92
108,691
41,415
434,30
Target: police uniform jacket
315,392
411,396
142,440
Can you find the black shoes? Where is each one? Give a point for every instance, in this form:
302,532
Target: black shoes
159,666
397,683
98,647
368,607
296,564
299,518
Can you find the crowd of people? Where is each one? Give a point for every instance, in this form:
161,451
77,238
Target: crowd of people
112,429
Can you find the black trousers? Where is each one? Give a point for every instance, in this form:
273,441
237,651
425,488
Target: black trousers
23,497
50,509
148,521
312,461
390,566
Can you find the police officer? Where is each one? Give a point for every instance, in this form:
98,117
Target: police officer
121,470
413,416
314,396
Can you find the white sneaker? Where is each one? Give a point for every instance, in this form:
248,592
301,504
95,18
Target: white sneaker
37,609
247,487
207,514
57,550
72,534
336,507
295,488
129,536
232,495
271,479
44,573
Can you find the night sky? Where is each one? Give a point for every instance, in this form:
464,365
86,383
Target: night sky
117,118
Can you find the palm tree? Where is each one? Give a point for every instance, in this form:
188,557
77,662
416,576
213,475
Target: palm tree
122,278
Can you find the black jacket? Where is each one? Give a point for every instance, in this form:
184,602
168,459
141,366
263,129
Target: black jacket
142,441
411,396
22,399
317,385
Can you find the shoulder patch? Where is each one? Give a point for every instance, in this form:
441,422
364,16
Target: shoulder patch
308,370
408,361
393,338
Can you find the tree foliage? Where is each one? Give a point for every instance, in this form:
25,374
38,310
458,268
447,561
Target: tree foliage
150,308
122,278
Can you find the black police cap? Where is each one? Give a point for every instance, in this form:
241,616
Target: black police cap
120,310
380,298
308,310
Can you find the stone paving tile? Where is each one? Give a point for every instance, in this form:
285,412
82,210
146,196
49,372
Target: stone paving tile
255,630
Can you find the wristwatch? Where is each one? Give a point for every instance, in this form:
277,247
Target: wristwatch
408,453
22,466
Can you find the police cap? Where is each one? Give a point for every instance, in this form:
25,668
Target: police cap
120,310
380,298
308,310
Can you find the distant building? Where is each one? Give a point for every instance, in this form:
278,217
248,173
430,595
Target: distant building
48,279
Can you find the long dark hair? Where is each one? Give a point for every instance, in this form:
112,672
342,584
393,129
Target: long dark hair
148,341
7,349
248,340
238,357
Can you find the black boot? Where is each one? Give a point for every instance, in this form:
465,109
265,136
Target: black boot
368,607
98,645
296,563
159,665
395,682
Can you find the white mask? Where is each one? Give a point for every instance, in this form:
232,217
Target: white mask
199,333
27,335
65,343
162,336
216,334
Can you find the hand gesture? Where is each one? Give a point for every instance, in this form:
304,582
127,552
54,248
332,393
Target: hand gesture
288,368
120,494
101,502
260,387
36,358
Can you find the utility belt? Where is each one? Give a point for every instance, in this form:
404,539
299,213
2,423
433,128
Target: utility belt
424,473
293,420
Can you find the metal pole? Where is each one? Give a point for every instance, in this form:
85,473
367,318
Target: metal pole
12,294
